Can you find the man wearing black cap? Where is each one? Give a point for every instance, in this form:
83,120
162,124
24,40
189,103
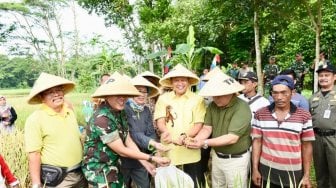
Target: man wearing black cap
282,135
255,100
323,109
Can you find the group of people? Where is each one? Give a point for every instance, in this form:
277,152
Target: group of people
127,138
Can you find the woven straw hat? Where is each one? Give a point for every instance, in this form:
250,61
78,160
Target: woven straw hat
155,79
141,81
213,72
116,85
221,84
179,71
46,81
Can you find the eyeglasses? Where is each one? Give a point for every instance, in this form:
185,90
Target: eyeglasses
53,91
143,92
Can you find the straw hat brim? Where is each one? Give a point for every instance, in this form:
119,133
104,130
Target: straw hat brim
116,85
179,71
220,84
151,77
141,81
46,81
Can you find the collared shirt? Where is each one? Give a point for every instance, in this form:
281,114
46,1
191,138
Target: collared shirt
281,141
235,118
182,112
55,135
319,104
257,104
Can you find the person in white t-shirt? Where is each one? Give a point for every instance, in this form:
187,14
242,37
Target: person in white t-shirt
249,94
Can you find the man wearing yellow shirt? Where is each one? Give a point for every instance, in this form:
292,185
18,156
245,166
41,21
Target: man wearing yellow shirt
52,136
180,115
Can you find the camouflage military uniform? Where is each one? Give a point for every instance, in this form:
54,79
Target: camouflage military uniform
100,163
233,72
270,72
300,68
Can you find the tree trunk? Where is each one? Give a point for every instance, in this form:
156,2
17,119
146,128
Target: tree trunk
76,40
258,53
318,30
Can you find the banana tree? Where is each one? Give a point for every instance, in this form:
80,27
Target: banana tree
187,53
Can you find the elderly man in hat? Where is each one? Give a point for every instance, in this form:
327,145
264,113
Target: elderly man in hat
227,130
282,140
180,115
108,136
52,136
323,110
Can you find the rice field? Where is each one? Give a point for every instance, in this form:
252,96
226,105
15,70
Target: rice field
12,145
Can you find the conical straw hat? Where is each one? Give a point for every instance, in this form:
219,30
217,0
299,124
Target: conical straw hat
46,81
179,71
155,79
221,84
141,81
212,73
116,85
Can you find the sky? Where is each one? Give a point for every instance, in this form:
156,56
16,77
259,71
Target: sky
89,25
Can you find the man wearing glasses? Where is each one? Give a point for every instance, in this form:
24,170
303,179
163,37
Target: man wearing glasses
52,136
282,135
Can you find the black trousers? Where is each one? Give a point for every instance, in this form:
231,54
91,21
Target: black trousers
197,170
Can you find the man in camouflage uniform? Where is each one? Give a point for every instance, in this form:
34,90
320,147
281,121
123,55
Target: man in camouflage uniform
233,71
300,68
270,71
98,165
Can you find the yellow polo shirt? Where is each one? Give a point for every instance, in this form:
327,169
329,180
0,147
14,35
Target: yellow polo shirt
186,110
56,136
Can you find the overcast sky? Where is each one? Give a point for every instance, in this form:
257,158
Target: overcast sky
89,25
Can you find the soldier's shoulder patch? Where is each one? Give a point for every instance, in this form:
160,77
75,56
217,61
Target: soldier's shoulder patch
316,99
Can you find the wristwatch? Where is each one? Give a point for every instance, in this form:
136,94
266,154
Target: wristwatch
205,144
150,158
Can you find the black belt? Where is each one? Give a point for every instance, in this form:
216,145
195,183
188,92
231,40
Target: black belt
325,132
228,156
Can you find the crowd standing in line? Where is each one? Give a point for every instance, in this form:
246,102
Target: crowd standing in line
284,133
